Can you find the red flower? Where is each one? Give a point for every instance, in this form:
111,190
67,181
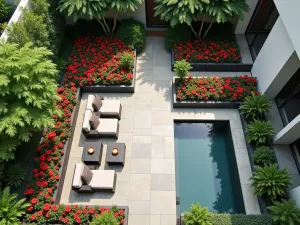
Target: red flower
47,206
54,208
51,136
68,208
33,217
39,213
34,201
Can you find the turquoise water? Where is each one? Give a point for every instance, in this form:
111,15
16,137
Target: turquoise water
206,170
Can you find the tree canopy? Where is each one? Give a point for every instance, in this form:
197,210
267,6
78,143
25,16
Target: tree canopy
187,11
96,9
28,94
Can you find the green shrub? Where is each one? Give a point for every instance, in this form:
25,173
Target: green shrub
241,219
264,155
5,11
11,209
133,33
259,132
198,216
107,218
285,213
182,68
15,175
30,29
270,181
255,105
176,35
126,62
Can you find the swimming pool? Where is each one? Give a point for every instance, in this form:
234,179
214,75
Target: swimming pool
206,169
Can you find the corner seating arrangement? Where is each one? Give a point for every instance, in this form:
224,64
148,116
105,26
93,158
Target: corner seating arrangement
95,127
86,180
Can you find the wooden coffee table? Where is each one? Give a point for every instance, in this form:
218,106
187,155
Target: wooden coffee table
95,158
118,159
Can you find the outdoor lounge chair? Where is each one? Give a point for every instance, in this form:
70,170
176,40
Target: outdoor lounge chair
86,180
102,128
104,108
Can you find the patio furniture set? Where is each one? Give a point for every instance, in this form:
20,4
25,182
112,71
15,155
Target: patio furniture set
100,120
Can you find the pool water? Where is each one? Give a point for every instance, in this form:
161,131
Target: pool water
206,170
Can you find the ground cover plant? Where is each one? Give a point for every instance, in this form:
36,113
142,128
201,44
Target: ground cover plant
215,88
205,51
97,60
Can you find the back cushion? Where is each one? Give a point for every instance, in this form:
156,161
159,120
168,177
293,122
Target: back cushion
86,121
89,104
77,183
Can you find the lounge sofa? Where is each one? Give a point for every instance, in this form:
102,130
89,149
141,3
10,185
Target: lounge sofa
98,180
103,128
104,108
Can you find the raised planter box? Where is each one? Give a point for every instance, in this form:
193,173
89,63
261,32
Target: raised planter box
200,104
216,67
113,88
125,208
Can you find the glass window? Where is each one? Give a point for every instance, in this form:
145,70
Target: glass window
288,99
261,24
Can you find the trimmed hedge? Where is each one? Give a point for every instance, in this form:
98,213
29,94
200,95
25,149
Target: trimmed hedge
133,33
236,219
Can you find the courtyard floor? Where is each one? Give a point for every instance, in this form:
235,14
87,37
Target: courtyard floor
147,181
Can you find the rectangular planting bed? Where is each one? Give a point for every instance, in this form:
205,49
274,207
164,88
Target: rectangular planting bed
210,56
211,92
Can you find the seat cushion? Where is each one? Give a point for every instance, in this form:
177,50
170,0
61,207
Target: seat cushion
94,121
97,103
108,126
103,179
89,104
86,175
110,107
86,121
77,182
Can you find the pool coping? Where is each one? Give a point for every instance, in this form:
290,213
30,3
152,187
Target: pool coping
251,202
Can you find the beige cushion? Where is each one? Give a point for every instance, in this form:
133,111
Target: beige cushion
108,126
77,183
89,104
86,121
103,179
110,107
97,103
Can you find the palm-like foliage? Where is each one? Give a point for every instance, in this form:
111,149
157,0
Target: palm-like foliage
107,218
96,9
11,209
270,181
285,213
179,11
198,216
15,175
255,105
28,94
259,132
186,11
182,68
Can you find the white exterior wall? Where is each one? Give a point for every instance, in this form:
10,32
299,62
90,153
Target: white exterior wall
16,16
289,133
243,24
276,62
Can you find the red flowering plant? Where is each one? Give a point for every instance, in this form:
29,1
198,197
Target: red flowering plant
96,60
208,51
215,88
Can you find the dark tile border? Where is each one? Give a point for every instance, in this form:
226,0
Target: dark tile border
200,104
216,67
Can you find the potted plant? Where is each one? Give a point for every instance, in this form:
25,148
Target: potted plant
259,132
182,68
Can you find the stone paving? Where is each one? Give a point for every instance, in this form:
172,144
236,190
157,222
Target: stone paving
147,181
